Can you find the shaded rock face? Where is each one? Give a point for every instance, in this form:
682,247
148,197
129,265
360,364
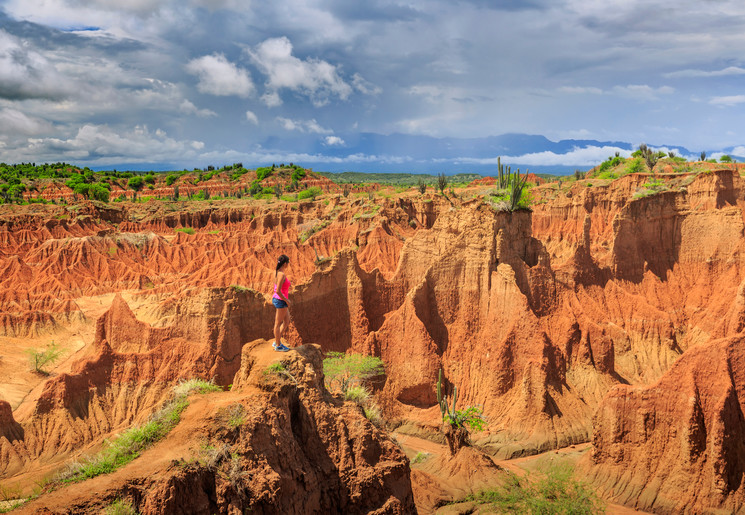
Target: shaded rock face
294,450
133,368
677,444
304,453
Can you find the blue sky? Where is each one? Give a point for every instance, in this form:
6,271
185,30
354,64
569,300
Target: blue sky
374,86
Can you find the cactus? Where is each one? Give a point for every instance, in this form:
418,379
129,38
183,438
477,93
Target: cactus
442,400
439,395
503,179
516,187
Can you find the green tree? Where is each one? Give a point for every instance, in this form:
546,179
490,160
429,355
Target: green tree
347,370
442,182
725,159
135,183
40,358
98,192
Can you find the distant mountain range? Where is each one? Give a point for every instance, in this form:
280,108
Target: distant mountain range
369,152
405,153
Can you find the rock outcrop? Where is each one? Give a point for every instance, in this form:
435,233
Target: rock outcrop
293,449
676,445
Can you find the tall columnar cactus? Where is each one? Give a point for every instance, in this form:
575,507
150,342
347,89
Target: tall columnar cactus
516,187
504,178
446,411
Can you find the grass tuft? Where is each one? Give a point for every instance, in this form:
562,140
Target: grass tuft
556,492
185,387
132,442
358,394
121,507
421,457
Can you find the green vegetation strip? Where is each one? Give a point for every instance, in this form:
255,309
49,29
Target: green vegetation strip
556,492
130,444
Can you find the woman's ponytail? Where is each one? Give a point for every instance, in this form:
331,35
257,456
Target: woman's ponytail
281,261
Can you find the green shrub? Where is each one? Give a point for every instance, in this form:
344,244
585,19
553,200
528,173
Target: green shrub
725,159
297,174
635,166
263,173
187,230
278,368
421,457
98,192
135,183
130,444
555,492
235,416
171,178
185,387
310,193
358,394
40,358
254,188
120,507
150,178
467,418
347,370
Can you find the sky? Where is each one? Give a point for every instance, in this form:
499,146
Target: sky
367,86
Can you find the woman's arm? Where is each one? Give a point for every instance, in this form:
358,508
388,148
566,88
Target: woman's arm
280,281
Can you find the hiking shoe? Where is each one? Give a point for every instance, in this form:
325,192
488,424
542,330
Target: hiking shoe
281,348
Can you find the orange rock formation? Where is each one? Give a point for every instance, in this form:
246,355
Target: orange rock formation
596,317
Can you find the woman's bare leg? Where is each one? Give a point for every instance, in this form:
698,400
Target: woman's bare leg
284,321
278,319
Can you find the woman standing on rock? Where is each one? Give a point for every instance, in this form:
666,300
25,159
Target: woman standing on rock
279,299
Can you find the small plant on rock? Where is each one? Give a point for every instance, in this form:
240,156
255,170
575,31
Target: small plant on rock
120,507
420,457
278,368
39,359
347,370
456,422
422,186
442,182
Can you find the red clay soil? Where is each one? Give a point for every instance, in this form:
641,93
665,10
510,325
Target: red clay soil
589,302
293,449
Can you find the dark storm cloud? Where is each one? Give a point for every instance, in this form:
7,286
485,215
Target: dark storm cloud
221,79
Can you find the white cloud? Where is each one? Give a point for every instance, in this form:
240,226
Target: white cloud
14,122
189,108
101,144
25,73
271,99
727,101
581,90
365,87
586,156
251,117
310,126
314,78
334,141
218,76
642,91
730,70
